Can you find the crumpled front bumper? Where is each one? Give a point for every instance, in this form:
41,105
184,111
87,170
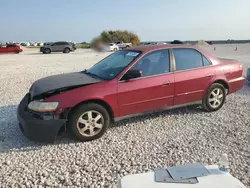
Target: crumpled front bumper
38,127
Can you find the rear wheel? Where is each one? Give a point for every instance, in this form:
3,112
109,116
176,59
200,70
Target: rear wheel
47,51
89,122
66,50
214,98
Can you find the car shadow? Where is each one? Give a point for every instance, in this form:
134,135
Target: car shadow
194,109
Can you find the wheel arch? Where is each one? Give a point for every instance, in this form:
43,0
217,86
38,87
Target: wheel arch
96,101
224,83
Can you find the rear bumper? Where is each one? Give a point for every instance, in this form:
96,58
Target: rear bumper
38,127
236,84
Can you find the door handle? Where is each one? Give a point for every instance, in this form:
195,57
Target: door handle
209,75
167,83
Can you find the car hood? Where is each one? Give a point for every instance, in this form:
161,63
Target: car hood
60,82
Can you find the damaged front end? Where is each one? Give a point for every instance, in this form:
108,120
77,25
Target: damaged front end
40,120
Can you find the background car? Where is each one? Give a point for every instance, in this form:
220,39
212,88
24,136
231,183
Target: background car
127,83
176,42
123,45
73,45
10,48
112,47
64,47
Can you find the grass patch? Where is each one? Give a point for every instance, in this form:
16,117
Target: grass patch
82,46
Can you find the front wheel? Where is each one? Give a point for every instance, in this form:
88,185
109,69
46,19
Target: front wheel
16,52
66,50
214,98
89,122
47,51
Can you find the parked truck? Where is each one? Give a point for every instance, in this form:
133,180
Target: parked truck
122,45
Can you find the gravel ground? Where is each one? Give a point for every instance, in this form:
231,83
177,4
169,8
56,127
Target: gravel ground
131,146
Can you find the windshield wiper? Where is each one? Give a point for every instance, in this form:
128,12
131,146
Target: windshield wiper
91,74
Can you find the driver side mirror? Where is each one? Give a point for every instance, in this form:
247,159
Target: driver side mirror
131,74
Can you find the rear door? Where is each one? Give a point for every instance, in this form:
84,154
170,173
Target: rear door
193,74
154,90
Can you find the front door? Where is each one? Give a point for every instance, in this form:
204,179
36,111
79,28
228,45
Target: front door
153,90
193,75
56,47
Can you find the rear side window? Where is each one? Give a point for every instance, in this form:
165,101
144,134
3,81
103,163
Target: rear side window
187,59
205,61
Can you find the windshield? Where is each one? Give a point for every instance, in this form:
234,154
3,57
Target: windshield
112,65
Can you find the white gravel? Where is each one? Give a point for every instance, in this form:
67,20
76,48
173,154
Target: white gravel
131,146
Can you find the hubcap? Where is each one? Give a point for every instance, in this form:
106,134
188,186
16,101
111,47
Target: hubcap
90,123
216,97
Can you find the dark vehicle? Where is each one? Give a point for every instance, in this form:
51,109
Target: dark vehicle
209,42
10,48
64,47
127,83
176,42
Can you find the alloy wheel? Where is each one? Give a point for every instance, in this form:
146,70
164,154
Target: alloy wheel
90,123
216,97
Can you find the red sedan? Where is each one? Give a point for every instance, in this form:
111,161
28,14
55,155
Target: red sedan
129,82
10,49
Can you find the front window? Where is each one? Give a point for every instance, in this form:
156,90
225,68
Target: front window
112,65
154,63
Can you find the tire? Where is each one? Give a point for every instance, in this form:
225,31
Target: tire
115,49
66,50
16,52
127,46
81,125
47,51
214,98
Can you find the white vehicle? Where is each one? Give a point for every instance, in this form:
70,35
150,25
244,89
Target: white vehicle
33,44
215,178
112,47
159,43
39,44
122,45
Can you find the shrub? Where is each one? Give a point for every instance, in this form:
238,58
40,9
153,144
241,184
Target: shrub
118,35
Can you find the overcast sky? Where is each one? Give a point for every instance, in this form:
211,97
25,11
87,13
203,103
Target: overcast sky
152,20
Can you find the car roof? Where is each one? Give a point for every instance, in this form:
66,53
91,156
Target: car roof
147,48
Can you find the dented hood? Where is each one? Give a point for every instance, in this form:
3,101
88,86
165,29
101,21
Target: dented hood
61,81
